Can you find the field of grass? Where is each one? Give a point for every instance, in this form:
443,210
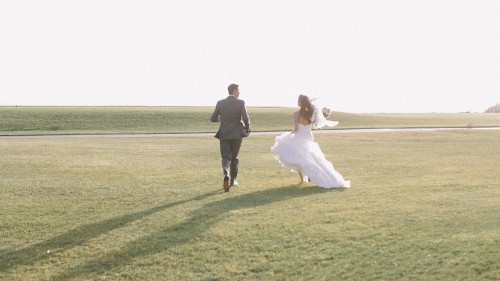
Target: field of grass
423,206
115,120
105,120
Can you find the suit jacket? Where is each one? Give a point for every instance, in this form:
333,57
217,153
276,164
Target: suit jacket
233,117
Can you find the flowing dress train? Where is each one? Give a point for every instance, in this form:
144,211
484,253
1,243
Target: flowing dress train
297,151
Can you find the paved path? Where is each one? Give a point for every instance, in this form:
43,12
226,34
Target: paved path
346,131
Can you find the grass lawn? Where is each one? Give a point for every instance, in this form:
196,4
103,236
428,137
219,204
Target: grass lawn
423,206
115,120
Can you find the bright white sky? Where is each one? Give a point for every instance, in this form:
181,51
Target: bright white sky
354,55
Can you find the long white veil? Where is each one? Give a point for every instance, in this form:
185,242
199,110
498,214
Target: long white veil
318,118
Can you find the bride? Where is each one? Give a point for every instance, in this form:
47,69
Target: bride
297,151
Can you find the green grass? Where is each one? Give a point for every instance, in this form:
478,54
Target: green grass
419,120
105,120
423,206
109,120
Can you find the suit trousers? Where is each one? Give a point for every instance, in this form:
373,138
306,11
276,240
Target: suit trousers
229,150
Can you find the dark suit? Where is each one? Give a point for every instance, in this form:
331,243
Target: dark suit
234,126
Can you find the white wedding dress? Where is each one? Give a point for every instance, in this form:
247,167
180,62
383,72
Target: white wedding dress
297,151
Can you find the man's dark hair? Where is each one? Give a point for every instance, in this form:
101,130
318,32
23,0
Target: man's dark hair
231,88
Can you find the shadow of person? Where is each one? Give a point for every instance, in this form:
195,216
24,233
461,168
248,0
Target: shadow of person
201,221
81,235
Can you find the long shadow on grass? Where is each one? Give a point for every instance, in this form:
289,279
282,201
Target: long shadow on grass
200,222
80,235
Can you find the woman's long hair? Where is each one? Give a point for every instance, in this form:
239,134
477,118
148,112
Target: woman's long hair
306,108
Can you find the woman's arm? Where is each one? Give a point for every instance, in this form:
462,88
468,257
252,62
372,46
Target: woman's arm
295,119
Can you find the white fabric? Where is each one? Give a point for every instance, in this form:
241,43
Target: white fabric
300,153
318,120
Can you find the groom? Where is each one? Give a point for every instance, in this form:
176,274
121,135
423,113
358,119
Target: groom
234,126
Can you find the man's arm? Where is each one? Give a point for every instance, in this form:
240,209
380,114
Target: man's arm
216,115
245,117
